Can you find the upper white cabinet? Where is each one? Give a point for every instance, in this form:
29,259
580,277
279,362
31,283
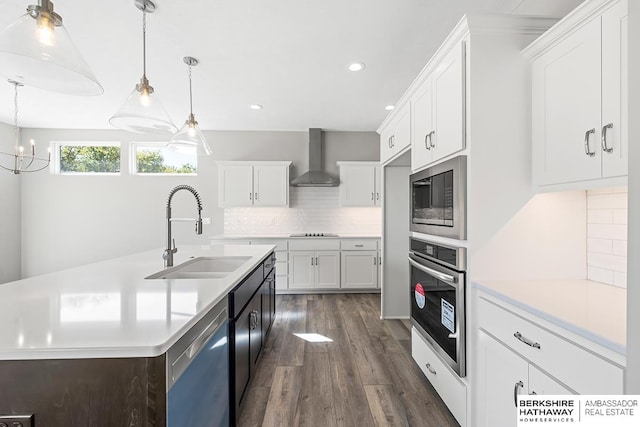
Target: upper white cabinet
438,111
579,83
360,184
253,184
397,136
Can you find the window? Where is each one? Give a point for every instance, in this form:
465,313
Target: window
156,159
87,157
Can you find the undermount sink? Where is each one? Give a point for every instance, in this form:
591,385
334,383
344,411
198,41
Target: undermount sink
202,268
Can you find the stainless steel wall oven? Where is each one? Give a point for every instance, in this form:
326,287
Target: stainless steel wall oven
438,299
438,199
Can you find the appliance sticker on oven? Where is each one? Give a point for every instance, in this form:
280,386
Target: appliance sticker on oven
419,295
448,315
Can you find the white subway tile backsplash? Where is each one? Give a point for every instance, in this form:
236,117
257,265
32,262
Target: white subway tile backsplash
607,201
607,235
600,216
602,246
600,274
311,210
607,231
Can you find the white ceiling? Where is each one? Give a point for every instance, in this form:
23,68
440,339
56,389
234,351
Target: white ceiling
288,55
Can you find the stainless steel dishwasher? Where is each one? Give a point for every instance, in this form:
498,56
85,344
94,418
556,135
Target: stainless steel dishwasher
198,373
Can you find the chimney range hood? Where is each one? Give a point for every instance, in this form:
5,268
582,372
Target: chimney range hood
316,177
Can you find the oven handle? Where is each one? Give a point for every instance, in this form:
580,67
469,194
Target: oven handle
442,276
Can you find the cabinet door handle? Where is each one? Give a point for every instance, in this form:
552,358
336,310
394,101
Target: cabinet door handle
587,150
255,196
605,148
430,369
359,246
527,341
517,387
375,260
427,143
311,260
372,196
389,142
316,260
377,196
379,260
250,196
431,143
393,141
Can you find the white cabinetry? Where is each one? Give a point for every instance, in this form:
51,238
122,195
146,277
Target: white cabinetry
518,356
448,385
253,184
579,112
503,376
359,184
438,111
397,136
314,264
359,264
310,270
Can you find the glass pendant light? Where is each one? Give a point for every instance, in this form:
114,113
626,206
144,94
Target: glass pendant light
38,51
189,139
22,162
142,112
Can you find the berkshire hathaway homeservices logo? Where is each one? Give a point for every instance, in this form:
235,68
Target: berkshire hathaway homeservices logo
582,411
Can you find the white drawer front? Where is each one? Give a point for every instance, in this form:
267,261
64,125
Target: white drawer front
314,245
580,369
282,268
359,245
282,256
280,244
282,282
452,391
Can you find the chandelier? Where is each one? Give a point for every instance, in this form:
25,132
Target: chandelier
22,162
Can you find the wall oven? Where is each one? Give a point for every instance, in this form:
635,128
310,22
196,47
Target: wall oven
438,199
438,299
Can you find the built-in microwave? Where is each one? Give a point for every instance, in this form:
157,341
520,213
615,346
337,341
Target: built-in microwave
438,199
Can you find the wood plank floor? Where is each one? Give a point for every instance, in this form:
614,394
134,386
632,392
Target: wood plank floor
364,377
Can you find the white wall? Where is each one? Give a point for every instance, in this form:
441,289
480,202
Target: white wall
632,377
74,220
9,211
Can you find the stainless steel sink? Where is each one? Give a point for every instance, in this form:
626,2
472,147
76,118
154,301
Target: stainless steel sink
202,268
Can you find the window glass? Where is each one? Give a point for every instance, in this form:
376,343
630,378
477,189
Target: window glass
157,159
87,158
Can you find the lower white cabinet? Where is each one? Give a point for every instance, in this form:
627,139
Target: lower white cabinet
503,376
359,269
314,269
516,354
448,385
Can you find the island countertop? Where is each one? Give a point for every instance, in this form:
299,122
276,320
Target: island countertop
108,309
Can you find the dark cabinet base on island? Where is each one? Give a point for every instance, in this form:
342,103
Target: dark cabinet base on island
251,314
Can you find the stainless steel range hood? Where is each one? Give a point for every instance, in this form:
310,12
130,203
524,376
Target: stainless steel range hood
316,177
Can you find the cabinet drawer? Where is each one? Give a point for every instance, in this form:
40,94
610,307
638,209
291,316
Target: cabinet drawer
282,268
452,391
359,245
580,369
282,256
314,245
280,244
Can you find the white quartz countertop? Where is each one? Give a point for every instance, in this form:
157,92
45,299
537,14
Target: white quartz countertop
594,310
109,309
288,236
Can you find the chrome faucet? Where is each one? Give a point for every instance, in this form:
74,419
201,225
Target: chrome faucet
167,255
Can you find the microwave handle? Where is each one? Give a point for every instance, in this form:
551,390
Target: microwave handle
444,277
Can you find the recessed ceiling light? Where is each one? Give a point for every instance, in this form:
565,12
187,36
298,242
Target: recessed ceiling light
389,107
255,106
356,66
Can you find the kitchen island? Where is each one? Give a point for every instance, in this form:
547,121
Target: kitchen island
88,346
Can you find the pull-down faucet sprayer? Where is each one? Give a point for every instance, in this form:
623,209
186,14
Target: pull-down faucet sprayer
171,249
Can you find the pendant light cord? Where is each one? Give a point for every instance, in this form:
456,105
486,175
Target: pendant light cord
15,116
190,93
144,43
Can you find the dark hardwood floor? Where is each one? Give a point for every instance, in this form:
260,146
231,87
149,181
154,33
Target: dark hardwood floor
364,377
